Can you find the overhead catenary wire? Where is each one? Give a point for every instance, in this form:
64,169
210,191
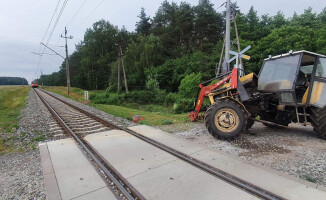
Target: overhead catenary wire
56,8
76,13
47,29
57,20
51,33
74,16
98,5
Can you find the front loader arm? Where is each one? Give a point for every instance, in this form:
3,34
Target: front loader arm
205,90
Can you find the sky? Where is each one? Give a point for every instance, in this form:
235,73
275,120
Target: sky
23,24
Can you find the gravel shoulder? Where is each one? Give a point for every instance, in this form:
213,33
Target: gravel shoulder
21,176
296,150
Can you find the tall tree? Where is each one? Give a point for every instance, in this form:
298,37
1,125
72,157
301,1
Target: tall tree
322,16
278,20
143,25
185,27
208,25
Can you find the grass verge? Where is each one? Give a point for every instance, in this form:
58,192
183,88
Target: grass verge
152,114
149,118
12,100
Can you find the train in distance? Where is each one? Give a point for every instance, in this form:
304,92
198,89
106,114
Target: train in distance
34,84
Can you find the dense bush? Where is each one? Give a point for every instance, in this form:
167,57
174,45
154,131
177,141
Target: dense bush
106,98
180,104
184,105
100,98
171,98
152,84
139,97
160,97
189,86
114,99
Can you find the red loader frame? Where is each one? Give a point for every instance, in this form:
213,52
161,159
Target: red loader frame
205,90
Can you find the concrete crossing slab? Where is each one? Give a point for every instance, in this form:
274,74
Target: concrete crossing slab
157,174
129,155
283,185
75,177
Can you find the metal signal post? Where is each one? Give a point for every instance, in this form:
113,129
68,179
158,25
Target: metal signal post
67,62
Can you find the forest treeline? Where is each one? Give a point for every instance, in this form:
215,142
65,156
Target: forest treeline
13,81
183,41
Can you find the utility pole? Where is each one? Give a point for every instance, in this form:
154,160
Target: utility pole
119,72
123,68
67,63
41,76
227,33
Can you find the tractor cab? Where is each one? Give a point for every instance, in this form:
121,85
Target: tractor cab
297,78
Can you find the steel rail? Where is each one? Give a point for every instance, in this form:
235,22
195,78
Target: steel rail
236,181
95,157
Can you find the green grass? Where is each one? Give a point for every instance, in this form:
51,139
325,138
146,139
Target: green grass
75,93
12,100
152,114
309,178
149,118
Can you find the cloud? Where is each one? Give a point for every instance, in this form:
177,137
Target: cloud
16,59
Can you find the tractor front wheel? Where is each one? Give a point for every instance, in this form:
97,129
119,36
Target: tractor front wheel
318,119
225,119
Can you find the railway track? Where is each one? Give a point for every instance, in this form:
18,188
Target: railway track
78,123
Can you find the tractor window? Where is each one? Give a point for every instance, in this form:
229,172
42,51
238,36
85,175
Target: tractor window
321,68
307,69
278,74
318,95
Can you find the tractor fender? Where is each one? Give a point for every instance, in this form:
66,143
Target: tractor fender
232,99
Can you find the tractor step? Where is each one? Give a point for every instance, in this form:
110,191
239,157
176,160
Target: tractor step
267,122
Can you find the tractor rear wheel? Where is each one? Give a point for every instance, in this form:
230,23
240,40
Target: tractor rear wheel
318,119
225,119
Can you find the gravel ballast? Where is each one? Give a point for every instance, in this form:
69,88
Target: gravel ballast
113,119
21,176
296,150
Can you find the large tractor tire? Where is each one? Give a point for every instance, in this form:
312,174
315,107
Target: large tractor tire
318,121
225,119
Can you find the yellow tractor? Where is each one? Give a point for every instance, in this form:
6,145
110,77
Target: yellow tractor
290,88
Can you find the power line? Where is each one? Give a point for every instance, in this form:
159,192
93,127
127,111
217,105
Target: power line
87,17
57,20
56,8
52,31
76,13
